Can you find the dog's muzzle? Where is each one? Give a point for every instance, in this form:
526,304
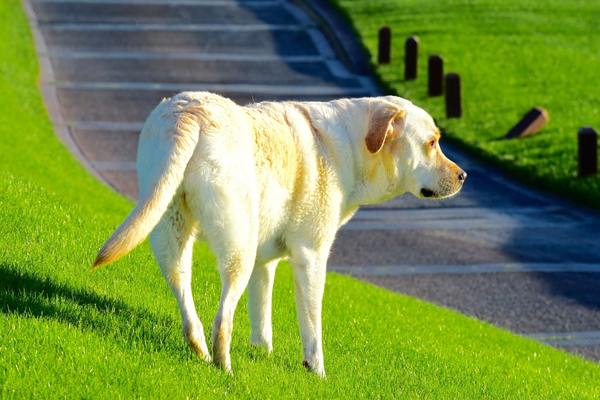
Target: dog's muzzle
460,179
427,192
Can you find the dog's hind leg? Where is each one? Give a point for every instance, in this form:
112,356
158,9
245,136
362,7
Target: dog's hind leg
172,241
235,268
230,228
223,198
260,291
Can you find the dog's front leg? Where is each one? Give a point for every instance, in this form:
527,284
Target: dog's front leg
260,291
309,282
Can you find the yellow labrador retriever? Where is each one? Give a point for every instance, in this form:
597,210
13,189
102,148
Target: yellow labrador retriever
268,181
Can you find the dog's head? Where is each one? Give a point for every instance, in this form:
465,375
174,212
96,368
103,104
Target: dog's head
406,139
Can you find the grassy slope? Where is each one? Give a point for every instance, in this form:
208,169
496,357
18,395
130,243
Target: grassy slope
67,331
511,55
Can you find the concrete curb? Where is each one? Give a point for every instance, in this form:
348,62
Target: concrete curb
49,96
340,35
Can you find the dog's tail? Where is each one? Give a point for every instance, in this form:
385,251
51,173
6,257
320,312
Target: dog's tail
180,136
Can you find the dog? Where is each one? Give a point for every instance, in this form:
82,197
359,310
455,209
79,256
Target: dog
269,181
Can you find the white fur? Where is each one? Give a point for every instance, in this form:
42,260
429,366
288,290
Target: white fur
264,182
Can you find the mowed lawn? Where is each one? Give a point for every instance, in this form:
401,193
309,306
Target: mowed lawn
67,332
511,55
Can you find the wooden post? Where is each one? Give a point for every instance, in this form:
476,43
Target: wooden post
453,97
531,123
385,41
411,54
435,75
587,141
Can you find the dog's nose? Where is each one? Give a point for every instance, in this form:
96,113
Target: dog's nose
462,176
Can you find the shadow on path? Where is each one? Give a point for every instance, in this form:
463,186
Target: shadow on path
582,288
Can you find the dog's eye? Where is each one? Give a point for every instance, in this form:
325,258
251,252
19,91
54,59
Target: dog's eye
432,143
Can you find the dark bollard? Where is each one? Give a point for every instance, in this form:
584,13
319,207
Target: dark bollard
435,75
453,101
385,41
411,54
587,141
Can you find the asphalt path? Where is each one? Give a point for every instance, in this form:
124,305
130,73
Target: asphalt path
500,252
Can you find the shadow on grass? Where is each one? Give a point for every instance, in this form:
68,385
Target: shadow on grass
29,295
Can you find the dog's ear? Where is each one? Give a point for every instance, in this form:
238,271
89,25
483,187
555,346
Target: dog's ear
382,116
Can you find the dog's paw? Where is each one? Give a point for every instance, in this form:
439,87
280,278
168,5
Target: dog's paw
197,343
220,355
200,352
224,365
262,343
316,369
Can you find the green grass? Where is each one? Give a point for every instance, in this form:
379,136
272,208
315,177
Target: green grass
511,55
68,332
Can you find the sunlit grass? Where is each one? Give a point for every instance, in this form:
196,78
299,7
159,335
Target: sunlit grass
67,332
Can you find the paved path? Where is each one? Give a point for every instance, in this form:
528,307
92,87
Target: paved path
499,251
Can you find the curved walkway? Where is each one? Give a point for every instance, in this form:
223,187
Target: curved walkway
501,252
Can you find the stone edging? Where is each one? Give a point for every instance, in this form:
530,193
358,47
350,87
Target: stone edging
338,33
49,96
